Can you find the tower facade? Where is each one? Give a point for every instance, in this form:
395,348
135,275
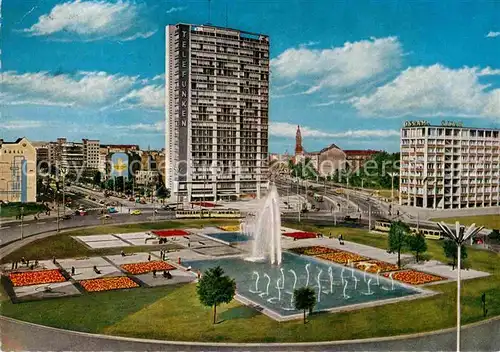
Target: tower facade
217,102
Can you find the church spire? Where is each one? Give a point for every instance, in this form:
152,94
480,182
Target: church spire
298,142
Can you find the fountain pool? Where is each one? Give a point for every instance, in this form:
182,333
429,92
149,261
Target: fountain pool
271,286
229,237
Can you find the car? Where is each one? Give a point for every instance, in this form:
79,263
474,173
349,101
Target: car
101,202
66,217
82,213
104,217
135,212
131,199
112,210
169,207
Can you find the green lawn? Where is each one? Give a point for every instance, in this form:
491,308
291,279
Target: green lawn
488,221
176,314
64,246
14,209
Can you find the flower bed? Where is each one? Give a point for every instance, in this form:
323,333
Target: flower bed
414,277
313,250
36,277
301,235
146,267
373,266
342,257
230,228
170,233
108,283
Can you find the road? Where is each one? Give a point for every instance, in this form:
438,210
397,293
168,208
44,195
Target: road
19,336
12,232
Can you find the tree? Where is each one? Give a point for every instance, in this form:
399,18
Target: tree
398,238
215,288
450,251
304,299
97,178
417,244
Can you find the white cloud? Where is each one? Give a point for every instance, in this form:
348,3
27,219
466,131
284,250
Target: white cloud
432,91
176,9
143,127
21,124
493,34
92,20
152,96
285,129
83,88
340,67
488,71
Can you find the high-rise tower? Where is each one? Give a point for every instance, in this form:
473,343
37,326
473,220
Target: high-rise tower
217,101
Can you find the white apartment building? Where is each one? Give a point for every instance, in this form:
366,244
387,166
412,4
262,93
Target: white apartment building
91,149
217,101
72,157
449,166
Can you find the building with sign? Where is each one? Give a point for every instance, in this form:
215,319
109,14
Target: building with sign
120,165
17,171
217,99
449,166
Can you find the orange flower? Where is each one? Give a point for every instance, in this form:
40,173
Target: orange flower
414,277
36,277
146,267
108,283
342,257
373,266
313,250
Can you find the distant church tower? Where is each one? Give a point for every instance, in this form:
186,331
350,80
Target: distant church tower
299,151
298,142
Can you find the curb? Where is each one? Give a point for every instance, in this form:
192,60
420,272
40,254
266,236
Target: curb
233,344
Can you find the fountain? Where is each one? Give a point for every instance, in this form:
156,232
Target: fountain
330,274
265,229
294,279
267,287
345,288
307,270
318,279
256,273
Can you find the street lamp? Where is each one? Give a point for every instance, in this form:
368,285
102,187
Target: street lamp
460,236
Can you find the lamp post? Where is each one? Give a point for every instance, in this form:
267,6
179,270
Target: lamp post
22,222
460,236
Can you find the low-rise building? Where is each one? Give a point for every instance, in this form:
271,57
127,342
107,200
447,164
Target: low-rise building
17,171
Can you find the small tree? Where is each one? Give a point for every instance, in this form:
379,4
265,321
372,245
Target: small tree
97,178
215,288
417,244
450,251
398,238
304,299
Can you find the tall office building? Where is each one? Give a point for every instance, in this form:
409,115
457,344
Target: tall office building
17,171
449,166
91,153
217,102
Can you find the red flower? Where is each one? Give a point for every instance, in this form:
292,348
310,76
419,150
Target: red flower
141,268
108,283
342,257
170,233
372,266
414,277
301,235
36,277
313,250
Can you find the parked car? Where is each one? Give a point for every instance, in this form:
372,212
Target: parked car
135,212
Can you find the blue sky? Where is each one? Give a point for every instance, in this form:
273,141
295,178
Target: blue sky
349,72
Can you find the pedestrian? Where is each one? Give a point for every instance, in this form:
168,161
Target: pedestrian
23,260
27,262
330,235
53,260
122,253
149,257
72,270
12,268
36,262
154,273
